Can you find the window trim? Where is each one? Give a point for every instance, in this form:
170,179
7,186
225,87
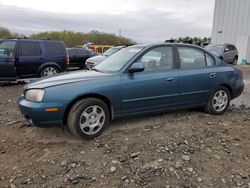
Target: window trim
149,49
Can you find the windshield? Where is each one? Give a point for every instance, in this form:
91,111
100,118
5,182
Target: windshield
111,51
215,48
115,62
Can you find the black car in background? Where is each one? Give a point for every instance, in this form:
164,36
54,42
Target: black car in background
78,56
27,58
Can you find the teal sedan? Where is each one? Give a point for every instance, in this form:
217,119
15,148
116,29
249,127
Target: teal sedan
137,80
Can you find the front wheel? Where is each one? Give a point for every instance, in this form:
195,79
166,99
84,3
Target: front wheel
218,101
49,71
88,118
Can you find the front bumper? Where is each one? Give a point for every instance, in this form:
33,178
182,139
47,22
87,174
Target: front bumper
35,112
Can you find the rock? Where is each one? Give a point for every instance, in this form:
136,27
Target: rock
122,159
112,169
135,155
73,165
190,169
199,179
178,164
223,180
64,163
12,185
185,157
124,177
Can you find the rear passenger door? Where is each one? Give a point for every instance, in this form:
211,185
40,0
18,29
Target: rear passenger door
197,75
29,58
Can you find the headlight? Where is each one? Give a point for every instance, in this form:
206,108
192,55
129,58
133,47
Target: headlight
34,95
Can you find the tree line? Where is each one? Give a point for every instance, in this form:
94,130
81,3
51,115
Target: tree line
201,41
73,39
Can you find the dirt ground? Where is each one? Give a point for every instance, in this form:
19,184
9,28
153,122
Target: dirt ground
175,149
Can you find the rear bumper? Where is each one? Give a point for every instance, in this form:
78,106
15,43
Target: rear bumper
35,112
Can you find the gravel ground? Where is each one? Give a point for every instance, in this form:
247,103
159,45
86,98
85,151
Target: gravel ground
175,149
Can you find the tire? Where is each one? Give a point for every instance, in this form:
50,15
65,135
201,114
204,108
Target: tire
235,61
49,71
218,101
94,115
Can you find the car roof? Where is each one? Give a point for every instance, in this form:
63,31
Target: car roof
30,39
76,48
221,44
162,44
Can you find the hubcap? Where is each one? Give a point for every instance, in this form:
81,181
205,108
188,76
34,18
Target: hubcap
220,100
49,71
92,119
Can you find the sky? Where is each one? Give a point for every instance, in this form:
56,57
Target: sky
141,20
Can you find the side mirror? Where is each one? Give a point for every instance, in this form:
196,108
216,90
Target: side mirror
136,67
226,49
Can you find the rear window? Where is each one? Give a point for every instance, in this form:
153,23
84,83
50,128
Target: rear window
55,48
27,48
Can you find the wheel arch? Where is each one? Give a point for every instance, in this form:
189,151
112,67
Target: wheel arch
49,64
90,95
230,89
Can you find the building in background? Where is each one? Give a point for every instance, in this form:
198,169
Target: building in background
231,24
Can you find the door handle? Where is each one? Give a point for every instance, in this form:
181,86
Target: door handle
170,79
212,75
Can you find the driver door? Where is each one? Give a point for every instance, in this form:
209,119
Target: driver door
7,67
155,88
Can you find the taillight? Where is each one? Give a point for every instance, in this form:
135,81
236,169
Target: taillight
67,59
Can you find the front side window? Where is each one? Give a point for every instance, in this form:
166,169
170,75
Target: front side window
29,49
7,48
157,59
191,58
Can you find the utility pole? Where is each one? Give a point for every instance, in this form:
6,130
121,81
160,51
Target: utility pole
120,36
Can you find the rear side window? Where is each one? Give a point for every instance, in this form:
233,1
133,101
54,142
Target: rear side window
210,60
191,58
55,48
231,47
27,48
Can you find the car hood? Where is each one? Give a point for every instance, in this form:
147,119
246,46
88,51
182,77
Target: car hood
97,59
65,78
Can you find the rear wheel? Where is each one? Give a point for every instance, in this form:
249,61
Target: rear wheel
49,71
218,101
88,118
235,61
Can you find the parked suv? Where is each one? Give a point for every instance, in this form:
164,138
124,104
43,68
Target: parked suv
26,58
227,52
